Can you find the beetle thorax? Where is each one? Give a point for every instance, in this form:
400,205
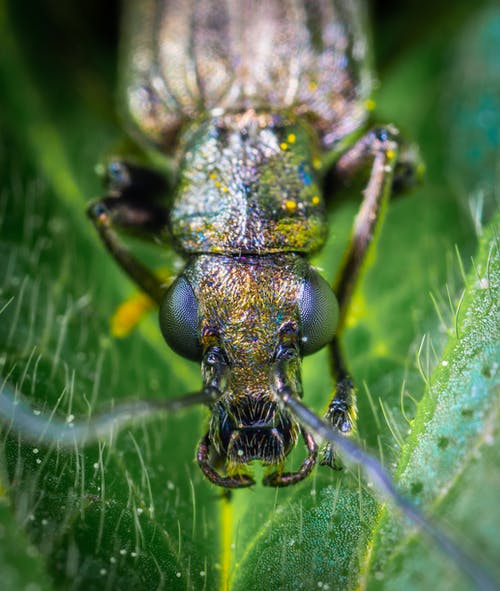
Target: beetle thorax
248,185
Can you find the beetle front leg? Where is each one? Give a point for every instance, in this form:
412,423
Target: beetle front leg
342,412
378,151
132,206
203,457
286,479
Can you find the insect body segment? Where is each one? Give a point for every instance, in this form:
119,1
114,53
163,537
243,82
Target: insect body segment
186,59
247,185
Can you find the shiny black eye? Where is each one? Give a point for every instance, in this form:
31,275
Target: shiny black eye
179,320
319,313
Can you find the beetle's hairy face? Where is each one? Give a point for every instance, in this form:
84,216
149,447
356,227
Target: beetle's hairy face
243,308
247,422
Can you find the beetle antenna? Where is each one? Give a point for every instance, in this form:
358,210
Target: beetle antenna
18,415
351,453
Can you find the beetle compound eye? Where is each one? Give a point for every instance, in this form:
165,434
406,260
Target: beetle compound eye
179,320
319,313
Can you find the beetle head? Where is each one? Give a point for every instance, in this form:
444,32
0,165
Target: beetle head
249,320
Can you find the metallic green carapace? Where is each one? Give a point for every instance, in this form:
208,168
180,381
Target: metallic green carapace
247,184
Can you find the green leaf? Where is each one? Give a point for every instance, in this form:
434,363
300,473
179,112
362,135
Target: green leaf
138,513
21,563
448,463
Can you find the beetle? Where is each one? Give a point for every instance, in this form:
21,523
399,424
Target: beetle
285,309
248,98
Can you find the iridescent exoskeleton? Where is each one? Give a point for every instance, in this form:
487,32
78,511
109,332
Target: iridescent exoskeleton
249,98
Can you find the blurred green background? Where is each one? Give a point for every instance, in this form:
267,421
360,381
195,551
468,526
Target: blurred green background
138,514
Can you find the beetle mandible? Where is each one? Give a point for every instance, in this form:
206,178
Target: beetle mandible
248,97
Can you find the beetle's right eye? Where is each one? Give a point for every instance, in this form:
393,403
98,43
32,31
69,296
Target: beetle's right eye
179,320
319,313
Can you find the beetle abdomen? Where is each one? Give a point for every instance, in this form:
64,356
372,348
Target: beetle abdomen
186,58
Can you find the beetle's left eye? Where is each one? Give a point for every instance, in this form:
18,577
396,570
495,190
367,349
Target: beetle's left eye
179,320
319,314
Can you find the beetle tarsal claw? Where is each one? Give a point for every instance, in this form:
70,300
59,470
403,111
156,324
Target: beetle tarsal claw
240,480
328,457
288,478
341,415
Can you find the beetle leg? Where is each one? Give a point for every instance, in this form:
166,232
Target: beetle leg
379,151
287,478
341,413
132,206
203,457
